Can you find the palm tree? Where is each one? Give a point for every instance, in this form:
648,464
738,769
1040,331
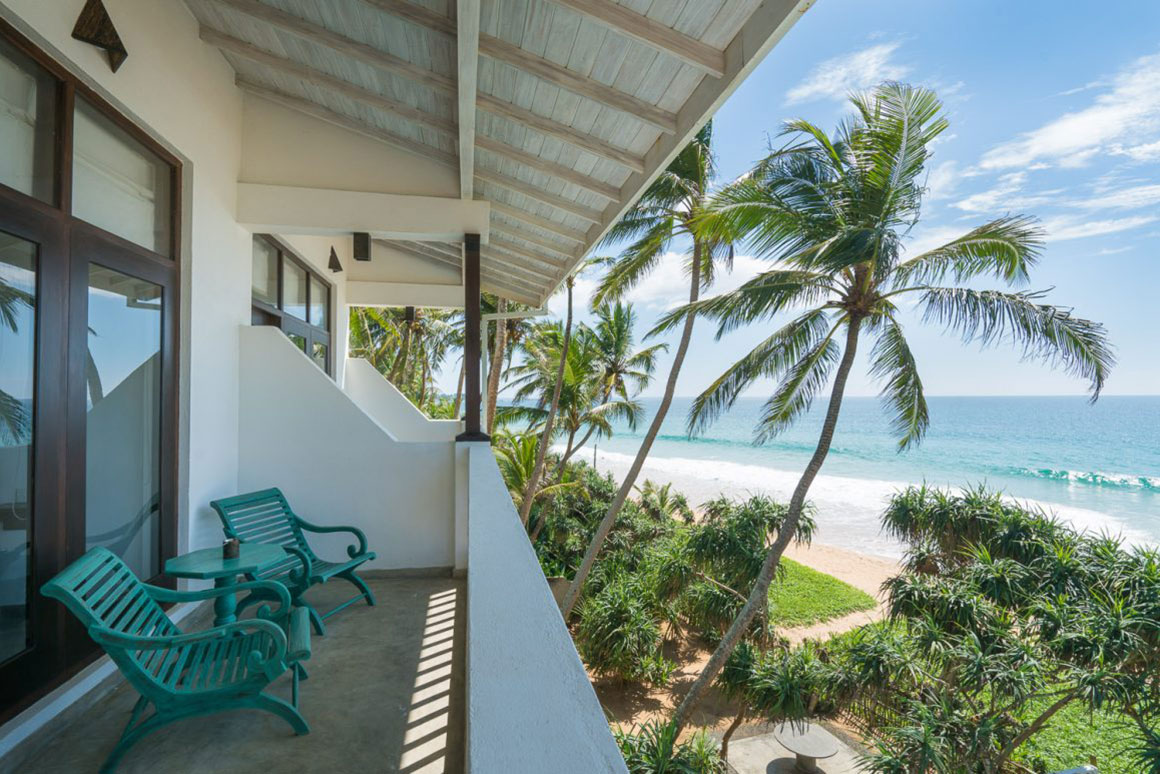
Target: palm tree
583,408
529,493
665,212
832,214
623,371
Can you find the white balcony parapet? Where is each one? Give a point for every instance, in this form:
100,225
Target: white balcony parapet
530,706
391,409
298,431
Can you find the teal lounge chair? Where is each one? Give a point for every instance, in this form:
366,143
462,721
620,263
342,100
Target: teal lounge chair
183,675
266,517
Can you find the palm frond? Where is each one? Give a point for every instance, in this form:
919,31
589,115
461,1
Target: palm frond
892,360
762,297
1044,332
800,386
1005,248
636,261
771,358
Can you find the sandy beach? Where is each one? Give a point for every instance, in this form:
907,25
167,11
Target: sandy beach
846,517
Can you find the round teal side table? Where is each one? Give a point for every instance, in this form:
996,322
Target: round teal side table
209,563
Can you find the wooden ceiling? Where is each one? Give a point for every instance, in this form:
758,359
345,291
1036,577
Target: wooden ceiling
558,112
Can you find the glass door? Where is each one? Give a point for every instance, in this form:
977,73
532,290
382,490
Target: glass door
31,436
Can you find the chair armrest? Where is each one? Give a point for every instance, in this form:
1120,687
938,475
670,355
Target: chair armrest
307,564
352,551
273,587
109,637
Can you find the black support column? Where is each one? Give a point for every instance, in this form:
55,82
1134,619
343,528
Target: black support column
471,340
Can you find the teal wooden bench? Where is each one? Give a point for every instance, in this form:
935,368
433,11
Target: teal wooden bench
266,517
183,675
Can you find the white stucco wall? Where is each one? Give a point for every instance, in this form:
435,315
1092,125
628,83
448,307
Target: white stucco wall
383,402
298,431
526,684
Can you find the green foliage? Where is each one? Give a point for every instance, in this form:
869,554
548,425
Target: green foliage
408,352
619,634
1010,624
653,749
802,596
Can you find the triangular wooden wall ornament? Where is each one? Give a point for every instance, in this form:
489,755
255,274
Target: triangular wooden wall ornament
95,27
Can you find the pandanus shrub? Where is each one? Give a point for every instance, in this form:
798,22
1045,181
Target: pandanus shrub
652,748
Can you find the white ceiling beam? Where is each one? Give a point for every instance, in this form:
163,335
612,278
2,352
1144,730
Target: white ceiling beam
283,209
402,110
467,54
516,249
650,32
323,113
766,26
499,227
373,99
316,33
567,174
532,192
551,226
444,84
511,284
561,132
544,69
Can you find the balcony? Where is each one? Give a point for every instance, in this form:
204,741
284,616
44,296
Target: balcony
386,693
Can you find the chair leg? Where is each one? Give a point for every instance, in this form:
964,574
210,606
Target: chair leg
281,709
361,585
294,686
135,734
315,620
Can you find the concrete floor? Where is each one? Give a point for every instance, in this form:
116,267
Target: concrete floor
763,754
385,694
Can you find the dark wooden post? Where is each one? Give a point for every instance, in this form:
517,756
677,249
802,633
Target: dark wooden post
471,340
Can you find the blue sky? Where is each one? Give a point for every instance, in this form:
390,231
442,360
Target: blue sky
1054,114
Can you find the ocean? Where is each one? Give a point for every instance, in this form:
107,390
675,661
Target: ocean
1096,466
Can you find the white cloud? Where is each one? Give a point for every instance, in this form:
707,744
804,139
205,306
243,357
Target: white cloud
1006,195
943,181
1063,228
1149,151
1127,115
928,238
667,287
1123,199
837,77
1114,250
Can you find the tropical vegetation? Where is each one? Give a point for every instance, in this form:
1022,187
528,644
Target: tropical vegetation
832,215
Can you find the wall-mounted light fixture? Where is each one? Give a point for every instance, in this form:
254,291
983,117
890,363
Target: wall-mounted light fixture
333,263
362,247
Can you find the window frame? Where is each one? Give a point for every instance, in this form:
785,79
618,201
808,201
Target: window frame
264,313
67,247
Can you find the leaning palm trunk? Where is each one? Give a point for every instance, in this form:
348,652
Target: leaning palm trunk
645,447
459,388
758,601
493,375
550,420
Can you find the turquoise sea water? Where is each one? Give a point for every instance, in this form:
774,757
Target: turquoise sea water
1097,466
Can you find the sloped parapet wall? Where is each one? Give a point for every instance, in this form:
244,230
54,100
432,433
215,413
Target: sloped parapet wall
390,408
298,431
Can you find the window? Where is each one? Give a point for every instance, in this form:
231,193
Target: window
118,183
90,277
289,294
27,124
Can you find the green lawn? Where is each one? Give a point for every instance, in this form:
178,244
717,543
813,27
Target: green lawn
1073,735
802,596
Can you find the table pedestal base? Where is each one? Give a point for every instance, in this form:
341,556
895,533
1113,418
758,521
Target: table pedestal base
225,607
807,765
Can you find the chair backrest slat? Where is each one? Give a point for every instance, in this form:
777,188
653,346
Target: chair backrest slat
261,517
